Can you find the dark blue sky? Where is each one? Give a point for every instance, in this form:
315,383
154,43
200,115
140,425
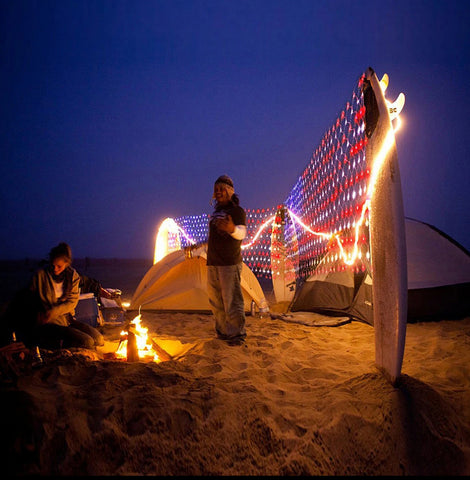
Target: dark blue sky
118,114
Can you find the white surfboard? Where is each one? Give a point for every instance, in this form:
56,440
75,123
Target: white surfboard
282,267
388,244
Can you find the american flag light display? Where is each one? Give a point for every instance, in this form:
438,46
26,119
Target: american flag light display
323,225
256,249
330,194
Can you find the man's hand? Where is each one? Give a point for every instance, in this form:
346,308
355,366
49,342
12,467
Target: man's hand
188,251
226,224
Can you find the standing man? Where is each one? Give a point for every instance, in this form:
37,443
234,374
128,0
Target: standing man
227,229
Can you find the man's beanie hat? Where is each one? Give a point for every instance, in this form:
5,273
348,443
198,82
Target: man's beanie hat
225,179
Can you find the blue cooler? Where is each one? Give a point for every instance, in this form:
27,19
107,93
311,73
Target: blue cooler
87,310
112,313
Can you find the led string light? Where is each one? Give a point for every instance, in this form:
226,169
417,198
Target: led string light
186,236
167,239
328,193
347,259
395,109
256,251
327,236
330,202
260,230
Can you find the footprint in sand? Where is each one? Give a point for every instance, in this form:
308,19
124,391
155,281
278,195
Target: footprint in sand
208,370
293,366
76,375
286,425
264,360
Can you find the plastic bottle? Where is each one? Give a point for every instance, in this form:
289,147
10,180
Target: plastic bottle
253,308
37,359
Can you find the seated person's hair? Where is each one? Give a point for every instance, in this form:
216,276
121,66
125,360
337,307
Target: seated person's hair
61,251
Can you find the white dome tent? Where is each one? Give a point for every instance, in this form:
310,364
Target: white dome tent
438,282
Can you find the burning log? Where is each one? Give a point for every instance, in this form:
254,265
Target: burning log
162,355
135,344
132,350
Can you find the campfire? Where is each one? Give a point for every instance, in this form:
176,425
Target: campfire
135,345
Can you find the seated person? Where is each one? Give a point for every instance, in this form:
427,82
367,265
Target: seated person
46,317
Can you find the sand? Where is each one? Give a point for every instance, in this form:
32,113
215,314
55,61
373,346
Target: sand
293,400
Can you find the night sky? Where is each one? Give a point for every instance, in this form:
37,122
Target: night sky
116,115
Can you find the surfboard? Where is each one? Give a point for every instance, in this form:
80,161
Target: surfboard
282,267
387,242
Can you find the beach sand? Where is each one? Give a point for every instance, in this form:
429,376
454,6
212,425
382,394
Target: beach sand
293,400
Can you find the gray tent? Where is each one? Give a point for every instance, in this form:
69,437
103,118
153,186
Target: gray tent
438,282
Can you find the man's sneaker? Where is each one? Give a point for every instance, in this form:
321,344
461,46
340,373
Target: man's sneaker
236,341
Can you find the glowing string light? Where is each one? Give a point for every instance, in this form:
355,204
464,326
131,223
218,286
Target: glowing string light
379,161
168,229
186,236
259,231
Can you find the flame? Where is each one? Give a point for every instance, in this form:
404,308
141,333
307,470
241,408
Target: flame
144,346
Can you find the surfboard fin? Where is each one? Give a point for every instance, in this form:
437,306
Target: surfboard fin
396,107
384,82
